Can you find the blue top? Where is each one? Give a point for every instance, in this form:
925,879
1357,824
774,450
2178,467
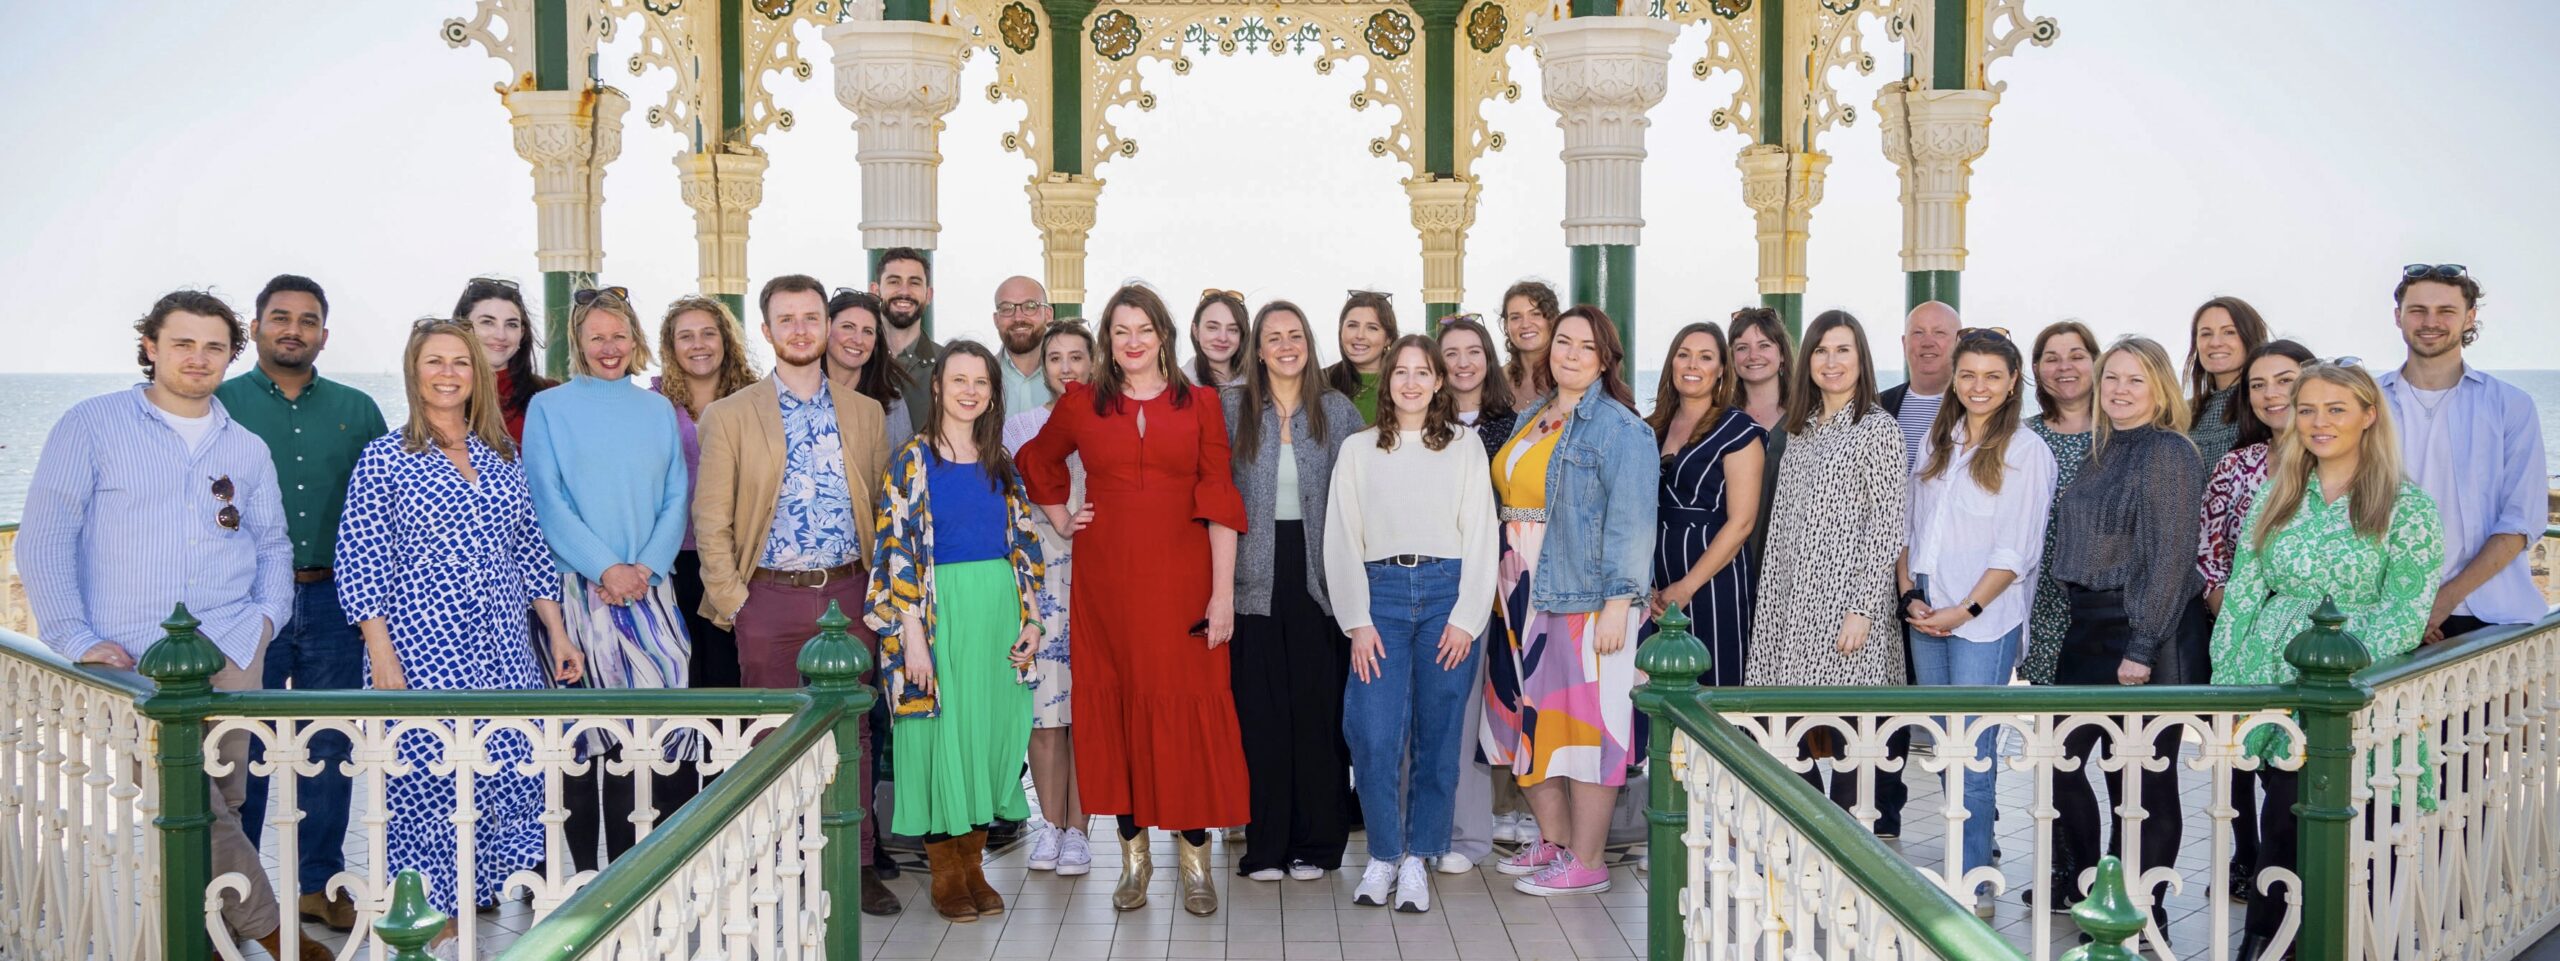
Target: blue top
813,511
2491,480
122,523
970,522
606,467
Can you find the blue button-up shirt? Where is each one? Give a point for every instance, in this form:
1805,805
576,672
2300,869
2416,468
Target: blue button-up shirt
122,524
813,512
2499,483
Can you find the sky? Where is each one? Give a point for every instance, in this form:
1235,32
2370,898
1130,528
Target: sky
2158,154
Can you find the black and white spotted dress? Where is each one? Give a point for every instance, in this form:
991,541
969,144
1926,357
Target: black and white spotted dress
1834,534
451,567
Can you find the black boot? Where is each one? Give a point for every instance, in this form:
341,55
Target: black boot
2251,948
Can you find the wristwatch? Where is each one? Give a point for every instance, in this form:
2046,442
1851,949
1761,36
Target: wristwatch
1972,609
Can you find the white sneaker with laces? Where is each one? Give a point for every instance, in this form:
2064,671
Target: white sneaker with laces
1267,874
1044,847
1413,886
1506,829
1302,871
1455,863
1075,854
1375,883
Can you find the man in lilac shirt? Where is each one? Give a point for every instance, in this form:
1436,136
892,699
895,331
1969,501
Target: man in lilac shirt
153,496
2474,442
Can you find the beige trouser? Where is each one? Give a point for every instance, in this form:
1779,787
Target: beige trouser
255,916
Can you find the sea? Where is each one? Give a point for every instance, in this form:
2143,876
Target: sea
31,403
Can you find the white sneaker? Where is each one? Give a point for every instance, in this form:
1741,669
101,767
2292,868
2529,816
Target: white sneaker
1075,854
1375,883
1455,863
1528,829
1506,828
1413,886
1044,847
1267,874
1302,871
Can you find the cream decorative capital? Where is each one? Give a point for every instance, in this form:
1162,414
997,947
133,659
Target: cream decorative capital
568,136
1601,75
900,78
723,189
1063,207
1934,136
1443,210
1781,188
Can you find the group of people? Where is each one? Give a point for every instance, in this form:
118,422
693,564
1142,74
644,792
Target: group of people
1402,591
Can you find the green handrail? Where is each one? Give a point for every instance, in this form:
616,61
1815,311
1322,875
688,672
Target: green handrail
2399,667
2041,699
716,702
33,651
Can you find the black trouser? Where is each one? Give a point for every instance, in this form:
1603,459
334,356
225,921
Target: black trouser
1288,669
598,799
2092,651
2277,844
715,649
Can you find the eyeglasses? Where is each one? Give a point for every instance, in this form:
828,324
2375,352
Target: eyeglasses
2434,272
1008,308
588,296
229,516
1997,335
1214,293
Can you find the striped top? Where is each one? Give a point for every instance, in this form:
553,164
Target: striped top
124,521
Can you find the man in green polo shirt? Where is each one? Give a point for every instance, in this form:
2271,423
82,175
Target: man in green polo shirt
314,428
905,289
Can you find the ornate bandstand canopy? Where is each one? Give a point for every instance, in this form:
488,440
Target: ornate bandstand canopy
1427,69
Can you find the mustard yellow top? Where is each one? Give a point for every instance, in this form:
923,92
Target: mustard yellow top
1520,471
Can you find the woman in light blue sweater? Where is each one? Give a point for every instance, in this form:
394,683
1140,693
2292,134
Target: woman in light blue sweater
606,464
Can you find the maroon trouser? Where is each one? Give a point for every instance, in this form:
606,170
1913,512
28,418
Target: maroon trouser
776,622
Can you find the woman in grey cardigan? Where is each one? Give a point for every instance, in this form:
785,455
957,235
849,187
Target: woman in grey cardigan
1289,661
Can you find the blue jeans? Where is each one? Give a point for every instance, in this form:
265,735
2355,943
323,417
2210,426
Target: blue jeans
1415,710
317,651
1955,661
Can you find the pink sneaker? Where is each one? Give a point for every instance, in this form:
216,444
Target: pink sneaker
1530,861
1565,876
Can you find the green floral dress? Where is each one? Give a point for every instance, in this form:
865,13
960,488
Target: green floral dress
2386,589
2050,616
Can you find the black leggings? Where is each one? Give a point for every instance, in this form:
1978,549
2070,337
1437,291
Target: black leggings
2091,652
598,801
1129,829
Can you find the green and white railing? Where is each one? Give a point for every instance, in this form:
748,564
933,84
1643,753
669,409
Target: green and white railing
105,810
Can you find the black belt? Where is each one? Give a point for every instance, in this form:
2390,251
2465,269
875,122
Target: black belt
1408,560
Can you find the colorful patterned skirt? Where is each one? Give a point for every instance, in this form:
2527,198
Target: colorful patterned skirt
639,645
1576,715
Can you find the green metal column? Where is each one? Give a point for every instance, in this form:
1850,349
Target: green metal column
1790,308
1439,106
1068,138
2328,659
1604,275
1673,660
551,72
835,662
1923,286
1773,130
557,287
183,664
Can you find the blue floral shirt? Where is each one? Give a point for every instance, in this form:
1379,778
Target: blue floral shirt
813,513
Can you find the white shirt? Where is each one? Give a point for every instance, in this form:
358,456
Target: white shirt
190,429
2424,435
1958,532
1412,500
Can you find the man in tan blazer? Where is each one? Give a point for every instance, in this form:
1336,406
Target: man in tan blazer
782,509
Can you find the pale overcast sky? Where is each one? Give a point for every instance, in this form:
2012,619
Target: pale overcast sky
2159,154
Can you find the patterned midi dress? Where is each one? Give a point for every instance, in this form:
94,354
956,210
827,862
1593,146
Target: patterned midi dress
2050,616
1052,680
1834,534
451,566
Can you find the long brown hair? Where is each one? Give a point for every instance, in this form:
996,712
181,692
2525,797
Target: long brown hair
2254,429
1804,400
987,432
2376,490
1613,352
1439,418
2046,403
733,375
1201,372
1108,382
2170,410
1520,368
1344,374
1245,438
2253,335
1770,325
522,379
1494,398
1991,450
480,413
1666,398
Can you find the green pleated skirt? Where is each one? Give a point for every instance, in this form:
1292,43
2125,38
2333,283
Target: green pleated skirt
963,767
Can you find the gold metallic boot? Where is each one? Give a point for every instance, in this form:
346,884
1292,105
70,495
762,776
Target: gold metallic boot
1199,891
1136,869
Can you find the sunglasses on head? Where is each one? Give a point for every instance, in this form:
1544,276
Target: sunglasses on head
588,296
1214,293
1455,318
500,281
2434,272
1997,335
229,516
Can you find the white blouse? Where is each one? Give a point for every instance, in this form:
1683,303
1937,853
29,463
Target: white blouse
1958,531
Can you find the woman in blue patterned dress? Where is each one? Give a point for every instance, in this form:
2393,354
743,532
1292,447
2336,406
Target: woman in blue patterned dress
438,559
1058,841
1709,501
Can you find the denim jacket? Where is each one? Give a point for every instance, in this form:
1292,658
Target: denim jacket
1600,507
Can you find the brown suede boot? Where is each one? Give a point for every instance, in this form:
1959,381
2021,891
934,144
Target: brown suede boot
948,860
974,852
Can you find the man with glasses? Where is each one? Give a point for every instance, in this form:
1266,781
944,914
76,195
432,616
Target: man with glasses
314,428
905,288
153,496
1022,314
2474,442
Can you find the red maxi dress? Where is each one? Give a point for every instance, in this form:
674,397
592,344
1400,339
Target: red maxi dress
1155,732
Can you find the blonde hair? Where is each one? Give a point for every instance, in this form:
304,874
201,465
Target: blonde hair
480,413
607,301
734,374
2169,408
2376,489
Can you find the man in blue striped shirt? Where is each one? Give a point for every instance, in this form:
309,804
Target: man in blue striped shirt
152,496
